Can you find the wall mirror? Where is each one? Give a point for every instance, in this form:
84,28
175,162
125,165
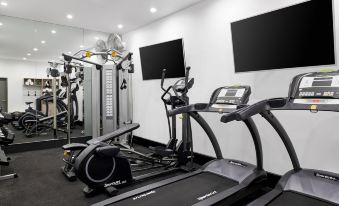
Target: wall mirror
26,47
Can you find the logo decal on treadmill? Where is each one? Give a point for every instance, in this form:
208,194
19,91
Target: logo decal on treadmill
116,183
237,163
326,177
144,195
207,195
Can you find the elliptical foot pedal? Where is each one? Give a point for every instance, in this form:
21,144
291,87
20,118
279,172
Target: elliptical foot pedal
111,191
89,192
70,175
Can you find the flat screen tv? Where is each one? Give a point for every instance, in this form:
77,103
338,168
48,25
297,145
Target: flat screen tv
296,36
168,55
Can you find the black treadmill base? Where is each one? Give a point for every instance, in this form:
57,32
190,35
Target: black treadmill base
184,192
291,199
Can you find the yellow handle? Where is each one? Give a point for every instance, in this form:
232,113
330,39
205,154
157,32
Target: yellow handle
114,54
66,153
88,54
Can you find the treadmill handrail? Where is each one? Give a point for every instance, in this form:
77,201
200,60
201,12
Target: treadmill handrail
209,132
203,107
256,141
246,112
263,108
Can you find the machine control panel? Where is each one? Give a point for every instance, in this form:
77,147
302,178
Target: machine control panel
317,88
180,85
230,96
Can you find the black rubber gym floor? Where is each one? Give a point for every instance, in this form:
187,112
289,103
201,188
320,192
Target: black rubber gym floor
41,183
21,138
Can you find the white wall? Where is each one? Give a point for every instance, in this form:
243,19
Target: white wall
15,71
206,31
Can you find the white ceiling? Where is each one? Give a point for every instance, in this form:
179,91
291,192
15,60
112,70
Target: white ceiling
18,37
92,19
99,15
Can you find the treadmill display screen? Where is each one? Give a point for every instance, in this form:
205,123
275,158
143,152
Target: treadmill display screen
231,92
322,83
230,96
328,81
318,89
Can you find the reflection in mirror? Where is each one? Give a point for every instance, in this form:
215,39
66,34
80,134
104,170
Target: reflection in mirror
28,89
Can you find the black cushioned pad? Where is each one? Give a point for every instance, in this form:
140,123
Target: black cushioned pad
291,199
183,192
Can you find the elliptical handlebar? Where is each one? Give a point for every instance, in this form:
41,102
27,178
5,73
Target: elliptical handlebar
186,77
183,90
163,79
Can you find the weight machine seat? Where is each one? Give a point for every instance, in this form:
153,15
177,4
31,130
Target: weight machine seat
74,146
117,133
305,187
28,103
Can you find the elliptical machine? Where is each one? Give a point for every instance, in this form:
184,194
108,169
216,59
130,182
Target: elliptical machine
106,167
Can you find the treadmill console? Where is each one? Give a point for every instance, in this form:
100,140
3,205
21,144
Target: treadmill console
231,95
316,88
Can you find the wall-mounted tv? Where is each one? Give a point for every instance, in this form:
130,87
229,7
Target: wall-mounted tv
296,36
168,55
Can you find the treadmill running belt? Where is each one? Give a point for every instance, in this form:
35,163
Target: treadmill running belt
291,198
183,192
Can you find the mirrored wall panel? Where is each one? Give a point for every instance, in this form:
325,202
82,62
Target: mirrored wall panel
37,109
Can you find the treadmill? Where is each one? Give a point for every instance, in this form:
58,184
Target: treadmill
232,178
318,91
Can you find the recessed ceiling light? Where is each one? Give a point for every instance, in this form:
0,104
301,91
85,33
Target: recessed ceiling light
96,38
24,58
120,26
69,52
29,54
43,42
4,3
53,32
81,46
35,49
153,10
1,24
69,16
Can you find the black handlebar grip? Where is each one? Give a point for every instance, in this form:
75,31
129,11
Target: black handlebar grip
163,77
252,110
245,113
230,117
187,74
